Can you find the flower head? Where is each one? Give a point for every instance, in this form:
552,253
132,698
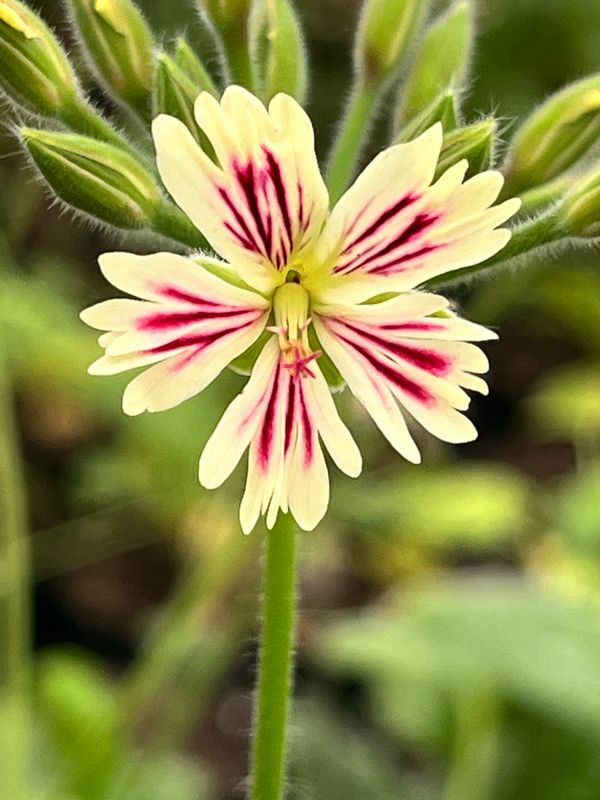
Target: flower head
314,280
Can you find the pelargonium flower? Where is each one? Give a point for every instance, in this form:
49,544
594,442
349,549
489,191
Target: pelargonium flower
317,284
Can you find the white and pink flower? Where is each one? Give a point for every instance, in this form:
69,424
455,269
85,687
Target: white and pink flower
314,280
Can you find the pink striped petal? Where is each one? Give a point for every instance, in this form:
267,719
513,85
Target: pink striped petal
394,355
280,417
393,230
265,200
190,326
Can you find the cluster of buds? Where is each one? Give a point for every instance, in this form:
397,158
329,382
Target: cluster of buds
92,166
95,169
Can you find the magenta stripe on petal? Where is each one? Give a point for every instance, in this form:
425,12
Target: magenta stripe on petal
280,193
175,293
411,232
379,221
307,430
198,341
420,357
162,320
267,431
290,414
409,327
401,261
393,375
245,236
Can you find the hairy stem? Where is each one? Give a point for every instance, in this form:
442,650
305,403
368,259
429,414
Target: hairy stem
268,773
350,139
14,600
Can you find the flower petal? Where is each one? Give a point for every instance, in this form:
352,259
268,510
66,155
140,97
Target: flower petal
280,418
394,353
191,321
265,200
392,230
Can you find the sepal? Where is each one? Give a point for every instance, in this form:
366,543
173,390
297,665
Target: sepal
475,143
443,108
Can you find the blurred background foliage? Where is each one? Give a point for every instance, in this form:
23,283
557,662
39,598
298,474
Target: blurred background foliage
450,626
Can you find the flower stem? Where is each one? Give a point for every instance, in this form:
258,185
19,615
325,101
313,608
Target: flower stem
268,774
351,137
14,619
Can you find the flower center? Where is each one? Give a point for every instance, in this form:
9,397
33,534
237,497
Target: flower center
291,306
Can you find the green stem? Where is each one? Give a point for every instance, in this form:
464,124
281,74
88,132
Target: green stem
14,620
350,139
268,773
526,237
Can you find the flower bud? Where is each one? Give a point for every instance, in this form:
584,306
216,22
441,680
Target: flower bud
231,20
189,63
119,46
174,93
442,59
473,142
580,209
34,69
443,108
555,136
94,177
277,49
385,33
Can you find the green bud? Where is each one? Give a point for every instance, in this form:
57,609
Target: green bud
473,142
277,49
385,32
231,19
94,177
34,68
442,59
443,108
119,46
580,209
189,63
555,136
174,93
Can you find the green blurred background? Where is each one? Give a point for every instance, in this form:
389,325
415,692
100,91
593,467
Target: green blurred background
449,635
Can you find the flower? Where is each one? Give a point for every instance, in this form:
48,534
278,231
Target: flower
310,281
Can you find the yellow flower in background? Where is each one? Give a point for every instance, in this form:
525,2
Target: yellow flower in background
313,280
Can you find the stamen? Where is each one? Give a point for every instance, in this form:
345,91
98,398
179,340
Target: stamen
291,304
